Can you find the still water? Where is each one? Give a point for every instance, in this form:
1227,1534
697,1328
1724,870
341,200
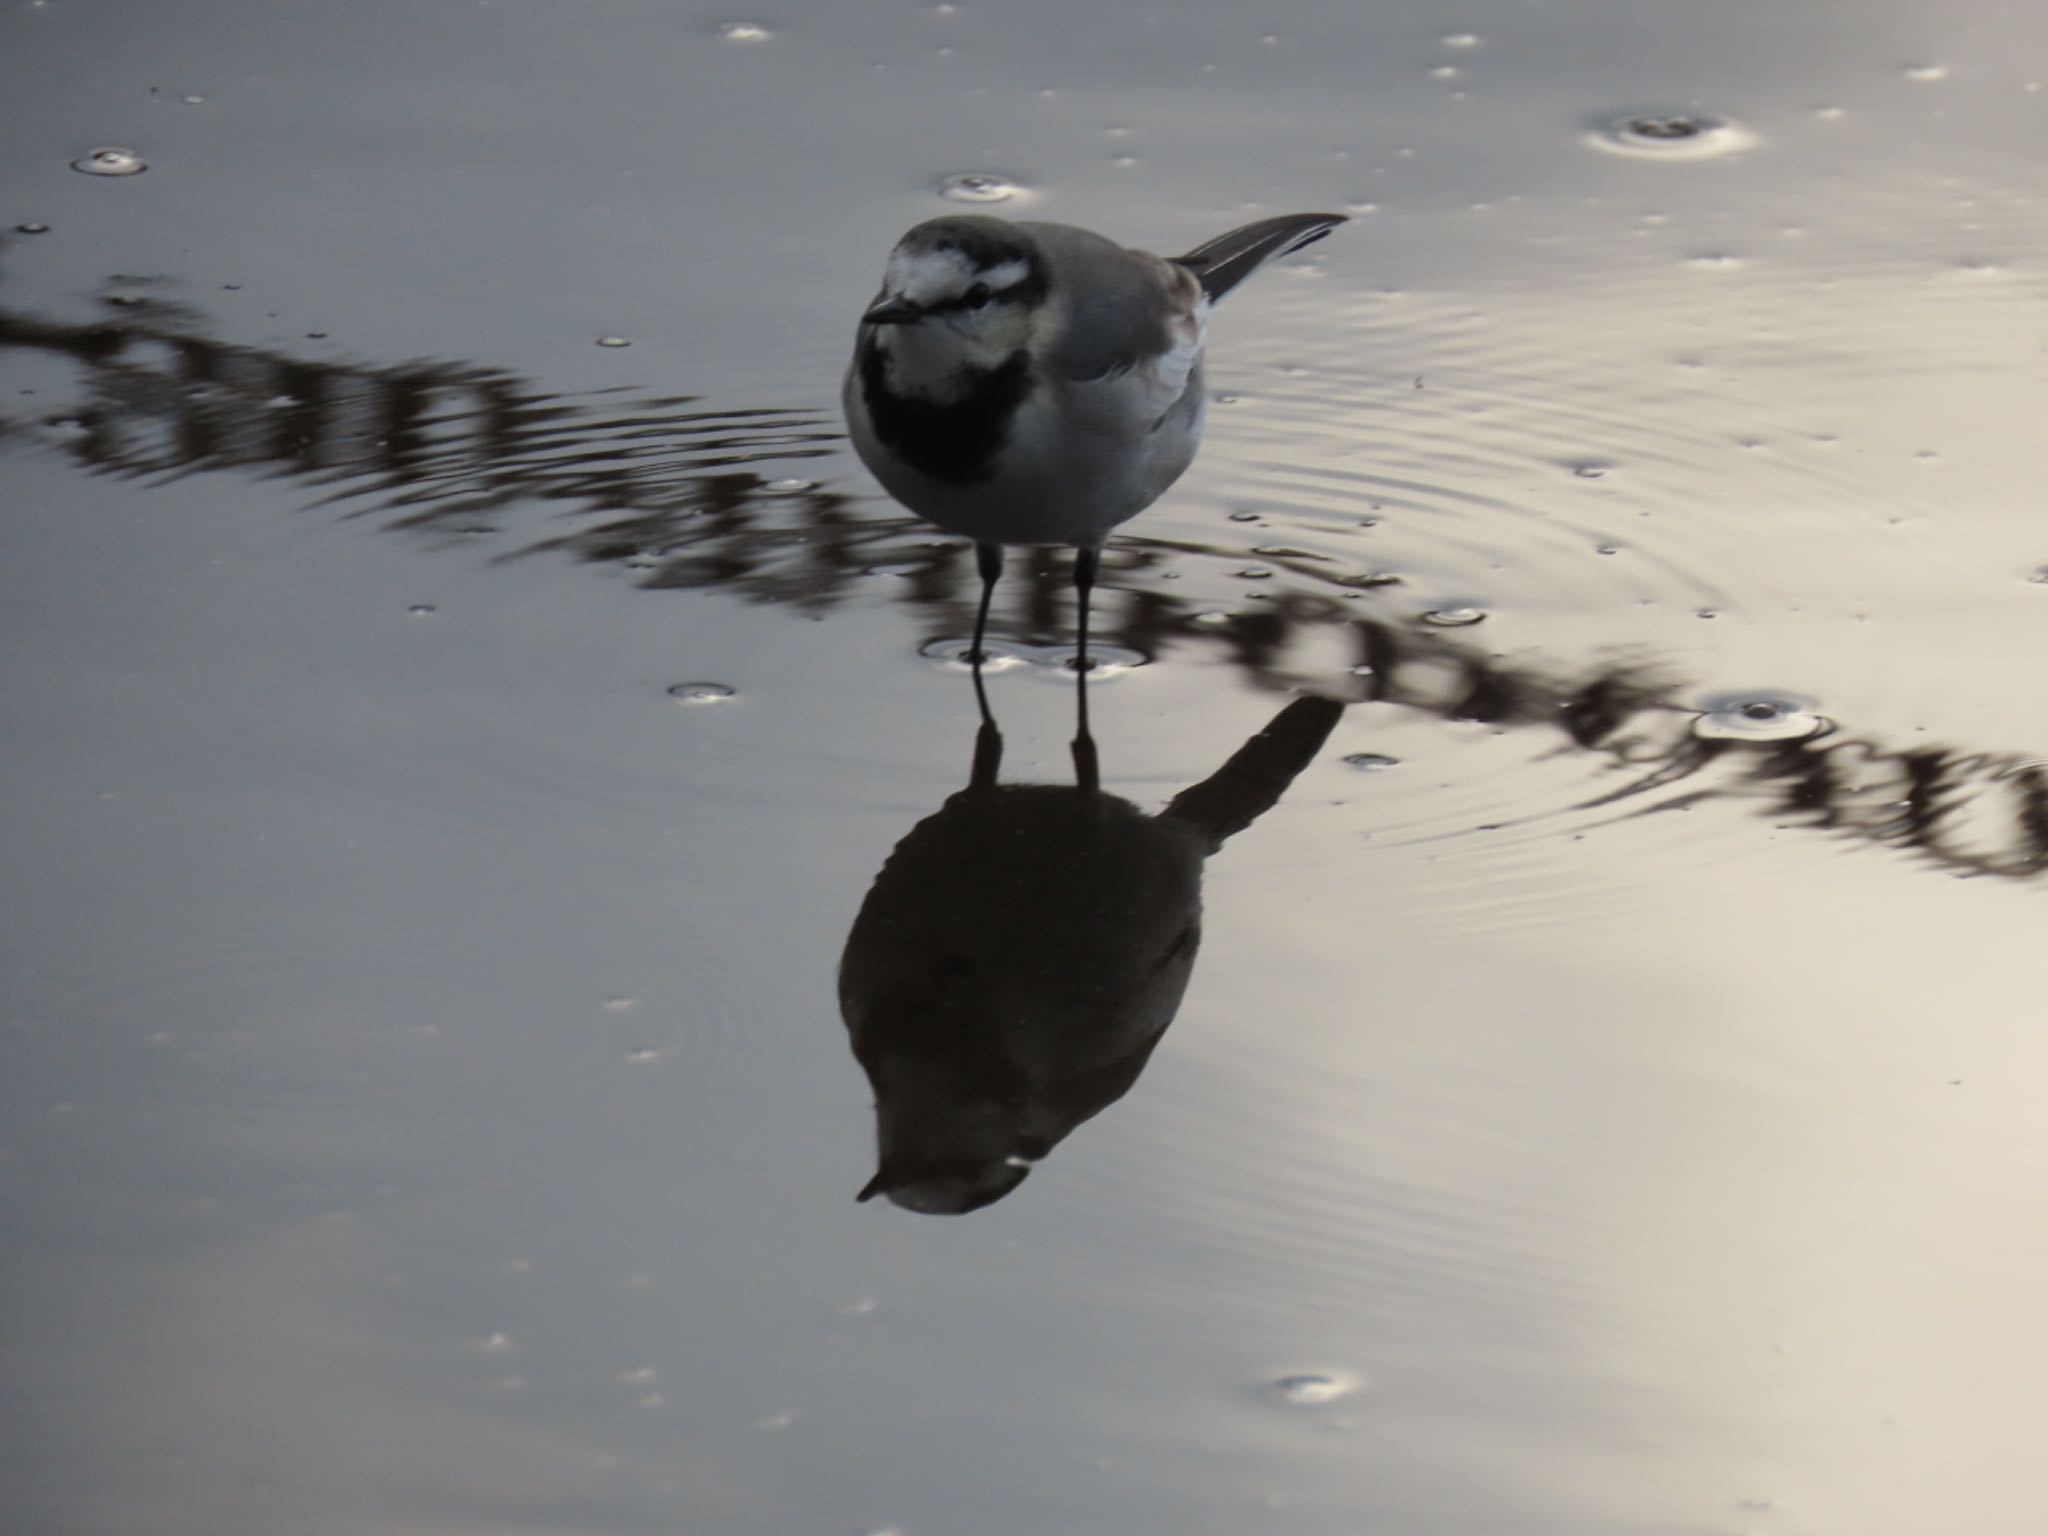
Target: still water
1574,780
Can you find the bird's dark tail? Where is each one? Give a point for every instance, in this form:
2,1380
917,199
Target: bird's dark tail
1221,264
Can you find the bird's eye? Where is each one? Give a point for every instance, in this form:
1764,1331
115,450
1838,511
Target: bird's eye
977,297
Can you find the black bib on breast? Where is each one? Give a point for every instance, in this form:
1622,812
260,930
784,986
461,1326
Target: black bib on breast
956,440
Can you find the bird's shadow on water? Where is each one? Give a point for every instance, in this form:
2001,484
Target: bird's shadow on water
684,493
1023,951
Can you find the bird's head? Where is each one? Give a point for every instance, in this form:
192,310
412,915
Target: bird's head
967,288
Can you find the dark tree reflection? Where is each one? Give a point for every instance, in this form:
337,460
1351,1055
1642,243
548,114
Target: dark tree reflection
683,493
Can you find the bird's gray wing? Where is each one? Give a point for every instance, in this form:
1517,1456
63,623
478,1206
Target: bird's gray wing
1118,309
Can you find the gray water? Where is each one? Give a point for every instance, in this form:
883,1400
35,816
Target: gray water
446,757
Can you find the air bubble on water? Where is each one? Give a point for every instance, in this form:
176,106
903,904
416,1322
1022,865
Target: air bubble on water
1254,573
1925,72
979,187
2039,576
110,160
1225,399
1671,135
1589,469
701,693
637,1376
1706,613
1211,618
1460,617
420,610
643,1058
1460,39
33,227
621,1004
1758,717
791,486
1244,517
744,32
613,341
1369,762
494,1344
1311,1390
193,100
1606,549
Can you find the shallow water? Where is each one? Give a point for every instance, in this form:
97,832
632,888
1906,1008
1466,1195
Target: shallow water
449,750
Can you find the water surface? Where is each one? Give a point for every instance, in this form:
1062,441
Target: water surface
449,750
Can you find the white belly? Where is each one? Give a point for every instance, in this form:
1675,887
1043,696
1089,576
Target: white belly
1069,471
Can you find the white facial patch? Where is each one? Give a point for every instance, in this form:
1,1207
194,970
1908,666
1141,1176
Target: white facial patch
928,277
933,276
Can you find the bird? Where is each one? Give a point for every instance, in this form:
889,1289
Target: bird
1019,382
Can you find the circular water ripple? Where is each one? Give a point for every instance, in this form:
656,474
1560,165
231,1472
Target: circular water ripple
1665,135
1106,660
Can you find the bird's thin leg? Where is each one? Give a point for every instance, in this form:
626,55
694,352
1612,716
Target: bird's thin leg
1087,773
988,559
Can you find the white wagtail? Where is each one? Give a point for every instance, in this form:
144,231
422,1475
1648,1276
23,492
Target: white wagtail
1038,384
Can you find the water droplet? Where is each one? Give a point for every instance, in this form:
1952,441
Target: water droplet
1370,761
1706,613
1461,617
613,341
1211,618
1759,717
1672,135
1460,40
110,160
1309,1391
1926,72
420,609
1589,469
1606,549
701,693
791,487
1225,399
1244,517
33,227
978,187
744,32
1254,573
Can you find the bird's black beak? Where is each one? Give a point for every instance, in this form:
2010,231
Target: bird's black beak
891,312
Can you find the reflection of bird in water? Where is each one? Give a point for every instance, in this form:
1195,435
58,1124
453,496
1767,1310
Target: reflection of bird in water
1039,384
1022,952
